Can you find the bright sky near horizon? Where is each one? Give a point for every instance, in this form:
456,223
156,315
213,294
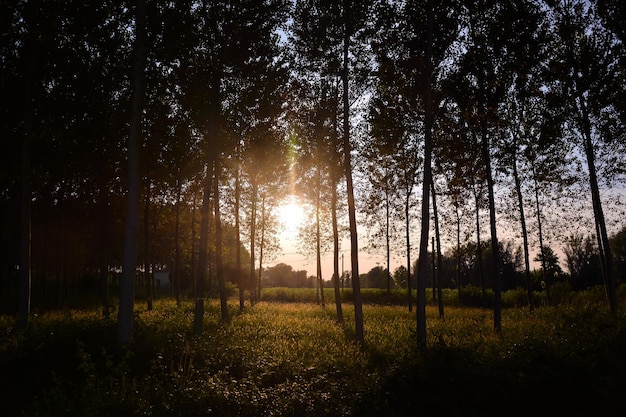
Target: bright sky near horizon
291,216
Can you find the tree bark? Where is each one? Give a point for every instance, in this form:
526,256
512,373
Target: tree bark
221,284
544,275
104,249
495,250
25,220
602,235
129,261
422,264
333,209
520,202
347,149
458,252
318,240
261,244
335,177
408,248
25,242
175,273
253,203
479,250
439,262
240,278
202,253
146,244
387,238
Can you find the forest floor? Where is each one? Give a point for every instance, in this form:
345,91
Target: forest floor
293,359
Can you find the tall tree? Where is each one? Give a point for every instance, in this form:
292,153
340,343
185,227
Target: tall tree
592,86
347,159
325,35
127,282
487,67
422,264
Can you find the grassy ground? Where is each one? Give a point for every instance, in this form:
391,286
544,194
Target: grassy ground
292,359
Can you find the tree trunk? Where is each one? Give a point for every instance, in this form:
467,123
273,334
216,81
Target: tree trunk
495,250
240,278
194,262
422,263
387,238
253,197
439,262
261,245
25,264
347,149
129,261
335,177
433,269
146,245
520,202
602,235
202,253
25,222
479,251
221,284
408,249
318,240
333,209
175,273
544,275
458,252
104,249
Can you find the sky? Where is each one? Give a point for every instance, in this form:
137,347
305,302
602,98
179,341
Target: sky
291,215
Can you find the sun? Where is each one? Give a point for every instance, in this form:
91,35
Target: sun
291,216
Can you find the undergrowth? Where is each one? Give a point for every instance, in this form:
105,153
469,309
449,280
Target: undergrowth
294,359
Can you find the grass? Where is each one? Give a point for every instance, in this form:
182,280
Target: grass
293,359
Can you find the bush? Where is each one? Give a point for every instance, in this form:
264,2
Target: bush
517,297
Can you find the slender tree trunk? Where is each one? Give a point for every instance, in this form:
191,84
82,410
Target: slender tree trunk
422,263
497,307
194,262
146,246
433,269
25,264
333,209
408,248
318,240
221,284
104,249
261,246
486,156
520,202
458,252
176,269
129,261
479,251
202,253
387,238
240,277
253,203
439,262
320,285
602,235
544,274
347,149
25,220
318,261
335,177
